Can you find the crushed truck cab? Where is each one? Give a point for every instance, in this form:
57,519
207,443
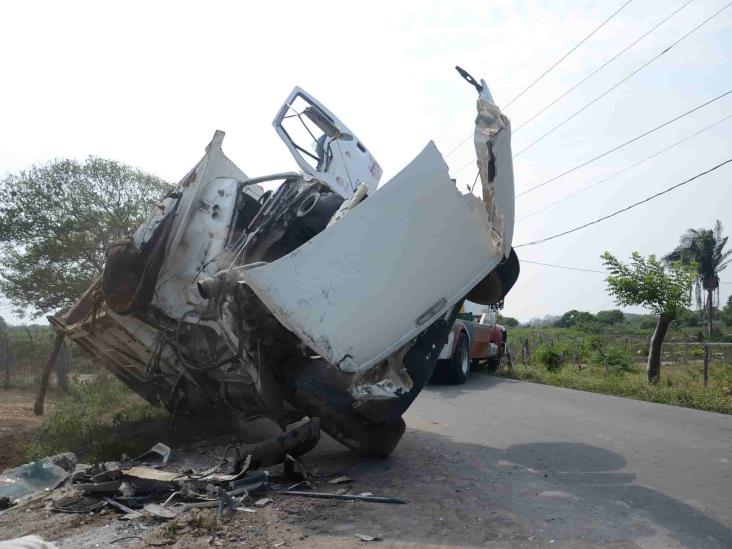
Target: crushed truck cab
329,296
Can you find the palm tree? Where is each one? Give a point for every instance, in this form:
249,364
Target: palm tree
705,248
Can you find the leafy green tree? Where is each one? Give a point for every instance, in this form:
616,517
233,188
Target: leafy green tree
507,321
56,220
705,248
574,317
615,316
665,290
726,312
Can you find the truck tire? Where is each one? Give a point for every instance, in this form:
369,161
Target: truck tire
493,363
459,365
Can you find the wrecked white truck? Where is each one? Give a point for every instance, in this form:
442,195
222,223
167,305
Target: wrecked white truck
329,296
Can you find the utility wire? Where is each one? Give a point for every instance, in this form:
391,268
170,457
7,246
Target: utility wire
579,268
598,69
636,71
563,267
542,75
456,147
648,199
628,142
646,159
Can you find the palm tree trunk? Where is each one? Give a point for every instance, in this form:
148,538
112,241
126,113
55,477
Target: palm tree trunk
709,313
654,353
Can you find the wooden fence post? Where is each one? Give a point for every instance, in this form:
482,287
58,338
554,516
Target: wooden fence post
686,349
5,359
706,364
47,369
525,351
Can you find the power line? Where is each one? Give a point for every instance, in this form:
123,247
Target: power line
542,75
598,69
456,147
626,208
578,268
563,267
646,159
636,71
636,138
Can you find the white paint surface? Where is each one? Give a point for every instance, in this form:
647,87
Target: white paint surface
355,291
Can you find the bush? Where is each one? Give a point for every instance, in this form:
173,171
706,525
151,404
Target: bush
617,356
549,355
88,421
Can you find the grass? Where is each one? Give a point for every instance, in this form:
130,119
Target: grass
680,385
92,421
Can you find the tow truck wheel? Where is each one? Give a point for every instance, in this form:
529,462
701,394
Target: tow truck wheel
494,363
460,362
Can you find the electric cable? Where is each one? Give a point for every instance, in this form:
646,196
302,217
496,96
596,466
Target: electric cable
608,178
628,142
647,199
598,69
627,77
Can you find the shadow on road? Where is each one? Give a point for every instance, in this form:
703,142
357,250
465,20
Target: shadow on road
468,495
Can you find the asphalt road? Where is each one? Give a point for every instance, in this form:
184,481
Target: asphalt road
501,463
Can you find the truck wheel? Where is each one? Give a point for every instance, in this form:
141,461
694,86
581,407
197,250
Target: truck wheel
460,362
494,363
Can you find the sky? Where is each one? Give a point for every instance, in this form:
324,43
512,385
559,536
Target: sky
148,83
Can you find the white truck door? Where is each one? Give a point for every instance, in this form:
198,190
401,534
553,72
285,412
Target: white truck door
324,147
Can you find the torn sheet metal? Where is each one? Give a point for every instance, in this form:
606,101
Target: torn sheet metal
492,141
360,290
208,209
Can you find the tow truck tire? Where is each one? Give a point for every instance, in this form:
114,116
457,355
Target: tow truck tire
459,366
493,363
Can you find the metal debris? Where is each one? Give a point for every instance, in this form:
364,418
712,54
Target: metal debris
129,514
76,504
36,476
263,502
160,450
348,497
339,480
364,537
159,511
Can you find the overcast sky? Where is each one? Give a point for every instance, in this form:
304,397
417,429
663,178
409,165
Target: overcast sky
147,83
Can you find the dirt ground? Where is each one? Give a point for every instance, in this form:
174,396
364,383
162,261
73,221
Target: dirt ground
18,423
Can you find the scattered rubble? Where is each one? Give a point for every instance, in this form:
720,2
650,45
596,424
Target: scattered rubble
139,490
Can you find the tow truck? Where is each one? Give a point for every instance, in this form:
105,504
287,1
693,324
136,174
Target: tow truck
468,344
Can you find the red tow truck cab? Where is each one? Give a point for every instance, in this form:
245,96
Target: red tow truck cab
468,343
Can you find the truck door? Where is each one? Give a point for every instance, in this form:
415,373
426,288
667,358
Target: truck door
324,147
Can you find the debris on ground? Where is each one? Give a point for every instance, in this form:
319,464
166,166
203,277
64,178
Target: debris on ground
27,542
37,476
187,494
364,537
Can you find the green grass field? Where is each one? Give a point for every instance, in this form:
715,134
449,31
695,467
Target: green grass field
681,384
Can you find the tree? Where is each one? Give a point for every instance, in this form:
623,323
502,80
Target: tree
56,220
665,290
615,316
726,312
507,321
574,317
705,248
